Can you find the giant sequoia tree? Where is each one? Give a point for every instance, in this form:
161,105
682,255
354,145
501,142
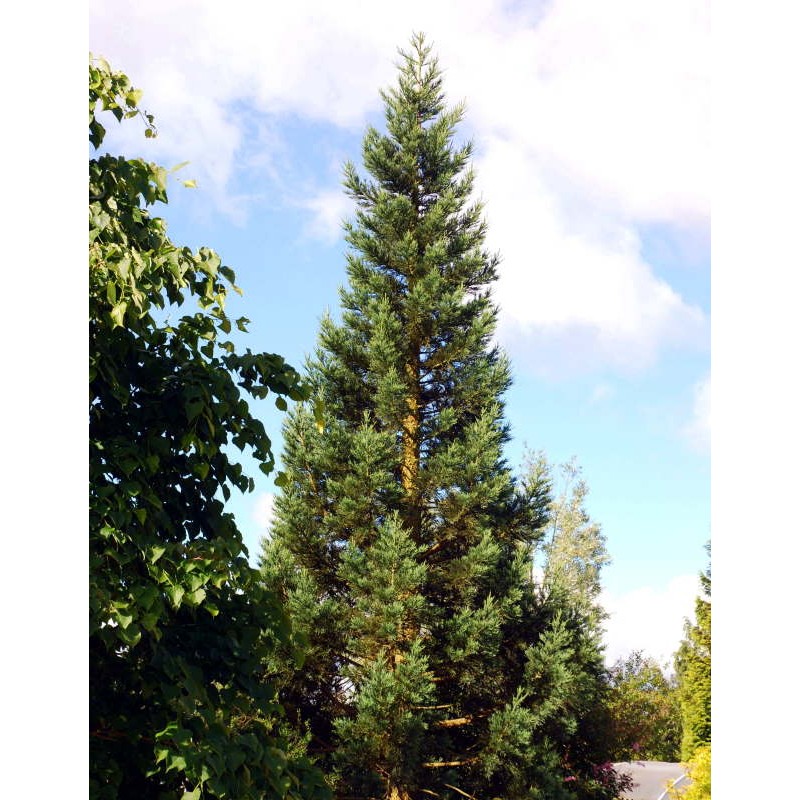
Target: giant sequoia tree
402,544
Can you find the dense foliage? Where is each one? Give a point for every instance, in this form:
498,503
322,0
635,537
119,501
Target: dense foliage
693,667
644,711
699,771
178,625
402,546
568,562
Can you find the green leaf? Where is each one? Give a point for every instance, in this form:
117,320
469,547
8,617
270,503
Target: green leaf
160,177
281,480
193,408
118,314
156,552
280,403
190,184
123,267
175,594
124,620
177,762
134,97
147,596
131,635
197,596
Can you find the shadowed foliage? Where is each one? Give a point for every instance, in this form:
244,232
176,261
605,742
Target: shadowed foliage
178,625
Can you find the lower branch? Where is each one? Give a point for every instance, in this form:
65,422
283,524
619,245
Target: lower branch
442,764
453,723
460,791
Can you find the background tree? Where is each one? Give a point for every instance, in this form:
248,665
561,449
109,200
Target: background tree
693,668
572,552
635,715
402,545
178,626
644,711
567,566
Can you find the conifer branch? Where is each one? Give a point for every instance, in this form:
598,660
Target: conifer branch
442,764
460,791
434,549
454,723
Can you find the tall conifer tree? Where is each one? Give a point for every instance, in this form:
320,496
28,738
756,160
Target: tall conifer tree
402,544
693,668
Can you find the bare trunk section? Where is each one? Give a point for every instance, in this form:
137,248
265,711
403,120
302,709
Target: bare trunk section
409,468
395,792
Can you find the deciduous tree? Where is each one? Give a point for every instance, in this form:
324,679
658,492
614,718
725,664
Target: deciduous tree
178,626
644,710
573,550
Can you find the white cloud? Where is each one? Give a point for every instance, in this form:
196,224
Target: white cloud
263,510
602,91
330,207
698,431
600,393
649,618
589,120
574,283
624,110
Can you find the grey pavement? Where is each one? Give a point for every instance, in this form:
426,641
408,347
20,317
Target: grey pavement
650,778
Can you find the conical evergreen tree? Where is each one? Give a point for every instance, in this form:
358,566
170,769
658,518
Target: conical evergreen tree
402,545
693,668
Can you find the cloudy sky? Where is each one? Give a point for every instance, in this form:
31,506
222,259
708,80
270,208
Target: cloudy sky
592,146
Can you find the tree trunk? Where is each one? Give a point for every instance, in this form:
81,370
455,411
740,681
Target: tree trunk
395,792
410,464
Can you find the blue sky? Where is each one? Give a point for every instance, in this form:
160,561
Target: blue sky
591,150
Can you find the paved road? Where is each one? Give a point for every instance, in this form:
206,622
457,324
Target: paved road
650,778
